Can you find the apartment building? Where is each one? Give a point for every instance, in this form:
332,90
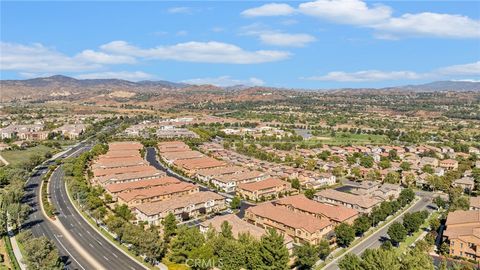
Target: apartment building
191,166
302,228
229,182
334,213
71,131
266,189
172,146
362,204
188,206
466,183
206,175
105,163
463,234
170,132
114,189
158,193
171,157
98,172
127,177
128,145
239,227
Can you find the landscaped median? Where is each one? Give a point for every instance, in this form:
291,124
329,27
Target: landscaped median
367,234
47,205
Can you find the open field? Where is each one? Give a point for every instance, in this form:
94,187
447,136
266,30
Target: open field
347,138
16,157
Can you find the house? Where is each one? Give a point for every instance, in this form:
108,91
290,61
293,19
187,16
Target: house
362,187
463,234
323,179
185,207
301,227
334,213
387,191
239,227
466,183
449,164
71,131
157,193
265,189
169,132
363,204
430,161
229,182
475,203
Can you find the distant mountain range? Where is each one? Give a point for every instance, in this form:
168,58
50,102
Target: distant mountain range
444,86
61,87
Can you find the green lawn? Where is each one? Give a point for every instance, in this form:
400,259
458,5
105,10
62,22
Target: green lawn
16,157
348,138
175,266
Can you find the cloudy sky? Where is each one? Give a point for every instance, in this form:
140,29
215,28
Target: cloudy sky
318,44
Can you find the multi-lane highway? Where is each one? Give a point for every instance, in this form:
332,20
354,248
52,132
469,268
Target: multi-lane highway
39,226
87,238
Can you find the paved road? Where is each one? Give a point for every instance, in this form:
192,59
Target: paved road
40,227
376,239
89,239
151,157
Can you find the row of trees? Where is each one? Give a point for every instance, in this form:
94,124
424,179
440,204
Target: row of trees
411,223
346,233
39,253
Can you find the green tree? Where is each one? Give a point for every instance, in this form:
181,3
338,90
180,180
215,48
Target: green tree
186,240
405,166
305,256
226,230
361,225
169,227
273,253
310,193
323,249
392,178
236,203
296,183
40,253
380,259
202,258
345,234
440,202
350,262
397,232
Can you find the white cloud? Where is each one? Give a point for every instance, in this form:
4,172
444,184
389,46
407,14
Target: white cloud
38,58
346,11
272,9
286,39
104,58
463,69
202,52
432,24
379,17
180,10
449,72
226,81
125,75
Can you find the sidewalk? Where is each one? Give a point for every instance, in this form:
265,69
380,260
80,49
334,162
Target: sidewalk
3,160
16,249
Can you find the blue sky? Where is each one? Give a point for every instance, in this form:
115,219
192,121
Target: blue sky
301,44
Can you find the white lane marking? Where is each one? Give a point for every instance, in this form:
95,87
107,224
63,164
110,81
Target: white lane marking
69,253
100,243
80,234
71,224
115,255
90,245
106,258
89,232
